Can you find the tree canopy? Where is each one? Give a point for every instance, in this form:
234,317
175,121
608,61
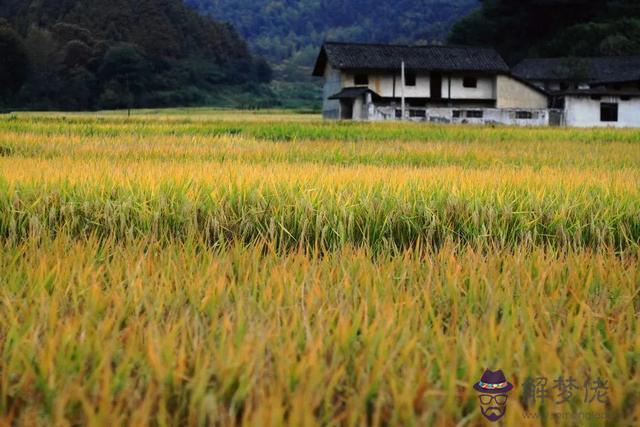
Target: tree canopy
521,28
15,62
84,54
279,29
289,32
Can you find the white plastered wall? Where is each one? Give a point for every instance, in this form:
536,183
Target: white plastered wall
582,111
511,93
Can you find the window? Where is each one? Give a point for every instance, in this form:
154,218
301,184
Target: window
418,113
524,115
361,80
596,97
625,98
558,102
410,79
457,114
608,112
398,114
470,82
475,114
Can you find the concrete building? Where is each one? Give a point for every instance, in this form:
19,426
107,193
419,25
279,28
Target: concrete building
446,84
591,92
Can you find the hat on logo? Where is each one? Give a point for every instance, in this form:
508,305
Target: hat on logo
493,383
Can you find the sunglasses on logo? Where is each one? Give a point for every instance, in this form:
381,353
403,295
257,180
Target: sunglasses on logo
486,399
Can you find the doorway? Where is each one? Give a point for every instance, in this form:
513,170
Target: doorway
346,109
436,86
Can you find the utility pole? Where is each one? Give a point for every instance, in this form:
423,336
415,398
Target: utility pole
129,97
402,81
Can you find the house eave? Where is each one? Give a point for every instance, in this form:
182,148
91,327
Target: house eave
608,93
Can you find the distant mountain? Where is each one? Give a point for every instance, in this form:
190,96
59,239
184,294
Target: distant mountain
280,29
289,32
83,54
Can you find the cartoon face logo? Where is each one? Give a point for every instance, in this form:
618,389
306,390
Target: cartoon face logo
492,392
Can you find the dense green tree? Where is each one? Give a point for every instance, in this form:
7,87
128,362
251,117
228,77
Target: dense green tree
289,32
118,53
520,28
124,71
279,29
76,54
14,62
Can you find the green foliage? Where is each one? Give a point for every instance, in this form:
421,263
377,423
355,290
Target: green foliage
281,29
13,67
289,32
121,53
521,28
124,71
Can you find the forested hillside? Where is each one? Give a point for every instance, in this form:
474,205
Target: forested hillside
279,29
87,54
521,28
289,32
84,54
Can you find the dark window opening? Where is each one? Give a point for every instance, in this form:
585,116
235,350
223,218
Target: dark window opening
524,115
564,86
436,86
558,102
608,112
475,114
398,114
457,114
596,97
625,98
361,80
470,82
410,79
417,113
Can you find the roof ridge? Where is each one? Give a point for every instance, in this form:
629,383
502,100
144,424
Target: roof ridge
589,69
346,55
449,45
580,57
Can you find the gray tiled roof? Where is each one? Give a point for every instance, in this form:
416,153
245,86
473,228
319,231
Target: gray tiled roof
614,69
355,56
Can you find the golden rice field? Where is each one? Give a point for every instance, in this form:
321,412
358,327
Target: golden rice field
203,267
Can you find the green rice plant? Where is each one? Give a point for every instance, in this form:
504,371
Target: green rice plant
380,217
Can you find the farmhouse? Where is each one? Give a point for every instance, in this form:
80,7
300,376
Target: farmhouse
591,92
459,84
449,84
